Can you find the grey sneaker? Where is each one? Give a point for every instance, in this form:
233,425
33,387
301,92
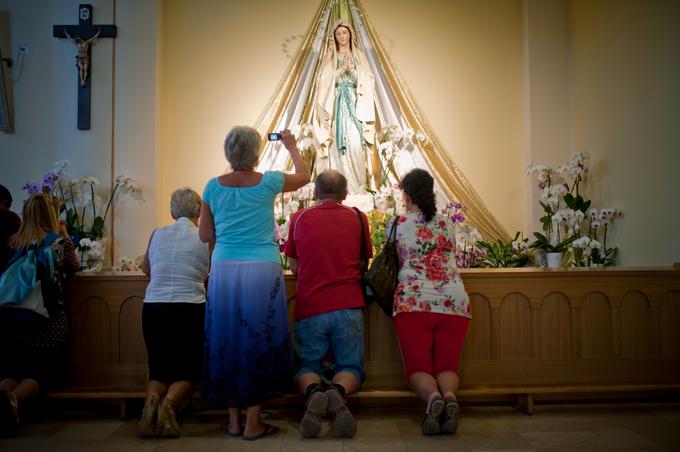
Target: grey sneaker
317,404
431,422
345,426
450,417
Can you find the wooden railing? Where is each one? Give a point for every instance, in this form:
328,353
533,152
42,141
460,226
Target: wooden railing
534,331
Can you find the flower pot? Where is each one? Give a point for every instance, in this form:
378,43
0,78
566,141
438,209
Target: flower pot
554,260
540,260
92,259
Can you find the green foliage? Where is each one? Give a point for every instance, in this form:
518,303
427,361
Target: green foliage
576,202
607,258
501,254
542,243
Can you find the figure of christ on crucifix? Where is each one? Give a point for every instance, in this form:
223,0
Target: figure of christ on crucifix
83,36
83,57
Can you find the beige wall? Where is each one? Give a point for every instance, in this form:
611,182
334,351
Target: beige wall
546,59
503,83
626,75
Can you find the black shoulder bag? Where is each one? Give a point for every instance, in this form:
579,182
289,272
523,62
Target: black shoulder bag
381,276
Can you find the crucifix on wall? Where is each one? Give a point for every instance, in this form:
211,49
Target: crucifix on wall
83,36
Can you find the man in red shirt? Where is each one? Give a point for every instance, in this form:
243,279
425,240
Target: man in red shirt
325,248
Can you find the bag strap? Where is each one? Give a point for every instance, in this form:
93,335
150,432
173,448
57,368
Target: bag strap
362,251
393,230
50,238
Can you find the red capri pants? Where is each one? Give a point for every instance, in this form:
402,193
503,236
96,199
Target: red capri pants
430,342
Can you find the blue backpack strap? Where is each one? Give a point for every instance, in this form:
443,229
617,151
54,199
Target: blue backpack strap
44,258
45,255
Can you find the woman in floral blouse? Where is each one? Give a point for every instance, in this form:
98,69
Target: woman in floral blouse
431,306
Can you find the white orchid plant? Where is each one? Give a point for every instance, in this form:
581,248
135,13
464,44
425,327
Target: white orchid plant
80,205
569,223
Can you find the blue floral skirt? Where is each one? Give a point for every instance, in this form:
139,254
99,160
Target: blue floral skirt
247,348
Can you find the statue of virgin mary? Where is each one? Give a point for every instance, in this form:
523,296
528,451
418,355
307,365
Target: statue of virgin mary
345,110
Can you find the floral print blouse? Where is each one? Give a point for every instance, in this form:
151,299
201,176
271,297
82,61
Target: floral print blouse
428,278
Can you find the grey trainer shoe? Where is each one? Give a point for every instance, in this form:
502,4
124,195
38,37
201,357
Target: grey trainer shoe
345,425
317,404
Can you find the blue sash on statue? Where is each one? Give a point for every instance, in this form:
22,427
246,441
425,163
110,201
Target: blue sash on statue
345,99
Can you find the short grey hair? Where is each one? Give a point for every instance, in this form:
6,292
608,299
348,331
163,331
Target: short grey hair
185,202
242,148
331,184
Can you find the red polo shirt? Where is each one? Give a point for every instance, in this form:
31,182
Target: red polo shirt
325,239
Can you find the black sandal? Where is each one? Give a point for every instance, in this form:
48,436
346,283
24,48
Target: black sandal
269,430
225,428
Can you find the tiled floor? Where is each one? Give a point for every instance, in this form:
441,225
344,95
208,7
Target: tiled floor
644,426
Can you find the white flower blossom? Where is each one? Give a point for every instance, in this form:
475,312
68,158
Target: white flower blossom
126,264
291,207
581,242
282,231
61,167
394,133
558,190
88,199
90,180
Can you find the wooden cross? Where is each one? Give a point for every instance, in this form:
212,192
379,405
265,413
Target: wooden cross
83,36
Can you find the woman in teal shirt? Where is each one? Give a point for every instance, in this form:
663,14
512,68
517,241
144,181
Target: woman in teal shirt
246,327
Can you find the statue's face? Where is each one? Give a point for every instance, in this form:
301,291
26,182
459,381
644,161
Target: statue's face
342,36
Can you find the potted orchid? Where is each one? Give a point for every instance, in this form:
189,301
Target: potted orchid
502,254
568,214
81,207
591,250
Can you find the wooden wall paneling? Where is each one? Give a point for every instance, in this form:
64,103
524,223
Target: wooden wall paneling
478,339
669,324
654,324
382,337
634,325
575,306
535,306
515,327
596,326
132,346
615,302
555,327
575,318
496,339
93,332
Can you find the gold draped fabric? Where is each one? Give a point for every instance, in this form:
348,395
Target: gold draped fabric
293,101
